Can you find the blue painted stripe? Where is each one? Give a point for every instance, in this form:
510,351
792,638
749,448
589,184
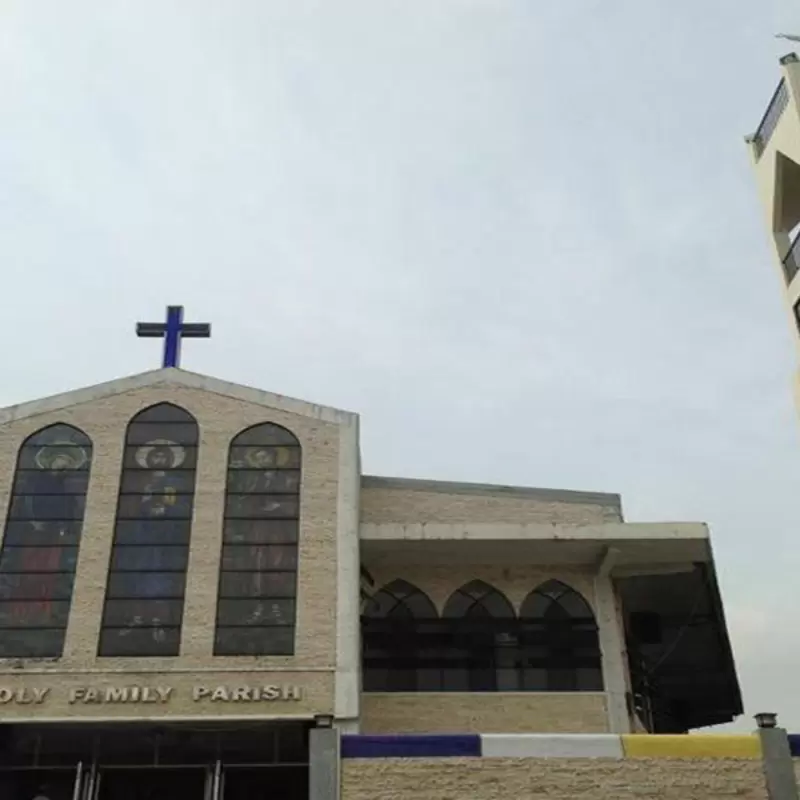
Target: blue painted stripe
388,746
794,744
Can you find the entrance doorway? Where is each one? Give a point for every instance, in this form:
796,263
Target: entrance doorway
185,761
26,784
264,783
151,784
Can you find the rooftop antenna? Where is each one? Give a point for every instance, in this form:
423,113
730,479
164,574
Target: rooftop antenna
790,36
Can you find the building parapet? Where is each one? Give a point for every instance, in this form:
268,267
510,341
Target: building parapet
775,109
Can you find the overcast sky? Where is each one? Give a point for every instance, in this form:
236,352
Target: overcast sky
521,239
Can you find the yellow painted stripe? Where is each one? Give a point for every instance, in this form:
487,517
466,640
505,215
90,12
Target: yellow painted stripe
637,745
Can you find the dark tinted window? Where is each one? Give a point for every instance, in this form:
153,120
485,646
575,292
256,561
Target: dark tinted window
480,644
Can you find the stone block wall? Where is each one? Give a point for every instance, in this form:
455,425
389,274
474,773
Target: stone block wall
552,767
552,779
496,712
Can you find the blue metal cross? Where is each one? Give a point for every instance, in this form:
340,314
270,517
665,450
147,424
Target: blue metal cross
172,331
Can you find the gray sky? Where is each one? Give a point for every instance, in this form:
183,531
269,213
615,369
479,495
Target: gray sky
521,239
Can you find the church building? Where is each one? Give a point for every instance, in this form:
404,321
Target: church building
197,578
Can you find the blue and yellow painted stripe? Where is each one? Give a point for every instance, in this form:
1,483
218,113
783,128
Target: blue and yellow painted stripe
643,745
542,745
411,746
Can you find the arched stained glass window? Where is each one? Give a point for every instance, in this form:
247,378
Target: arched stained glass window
559,645
150,552
258,575
41,540
482,640
400,641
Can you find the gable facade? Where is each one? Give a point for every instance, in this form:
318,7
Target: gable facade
324,649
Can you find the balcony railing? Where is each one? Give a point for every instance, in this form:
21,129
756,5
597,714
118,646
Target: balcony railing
771,117
791,261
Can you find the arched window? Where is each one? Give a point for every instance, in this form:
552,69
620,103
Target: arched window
400,641
150,551
559,646
482,641
258,576
41,539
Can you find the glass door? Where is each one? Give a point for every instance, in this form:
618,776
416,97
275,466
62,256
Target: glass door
55,783
151,783
264,782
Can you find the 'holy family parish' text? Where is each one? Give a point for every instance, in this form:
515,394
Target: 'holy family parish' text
152,694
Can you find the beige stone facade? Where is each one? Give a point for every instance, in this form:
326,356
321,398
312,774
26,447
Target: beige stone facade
220,418
400,501
552,779
495,712
437,536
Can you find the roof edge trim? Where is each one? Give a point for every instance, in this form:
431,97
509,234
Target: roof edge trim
173,376
524,492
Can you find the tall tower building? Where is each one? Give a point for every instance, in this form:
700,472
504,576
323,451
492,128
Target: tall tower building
775,150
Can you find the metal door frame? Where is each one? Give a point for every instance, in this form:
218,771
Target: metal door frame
214,781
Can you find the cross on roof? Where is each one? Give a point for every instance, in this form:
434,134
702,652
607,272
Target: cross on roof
172,332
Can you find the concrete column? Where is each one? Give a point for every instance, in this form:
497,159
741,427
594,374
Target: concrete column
323,754
612,646
347,685
777,759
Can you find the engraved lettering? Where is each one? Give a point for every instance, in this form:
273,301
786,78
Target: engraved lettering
199,692
240,693
116,695
22,697
163,693
291,692
39,695
220,693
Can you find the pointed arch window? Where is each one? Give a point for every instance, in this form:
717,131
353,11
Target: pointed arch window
559,644
41,540
258,576
150,552
482,640
400,641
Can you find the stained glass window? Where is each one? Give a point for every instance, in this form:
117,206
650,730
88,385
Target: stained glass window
41,540
258,574
150,552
